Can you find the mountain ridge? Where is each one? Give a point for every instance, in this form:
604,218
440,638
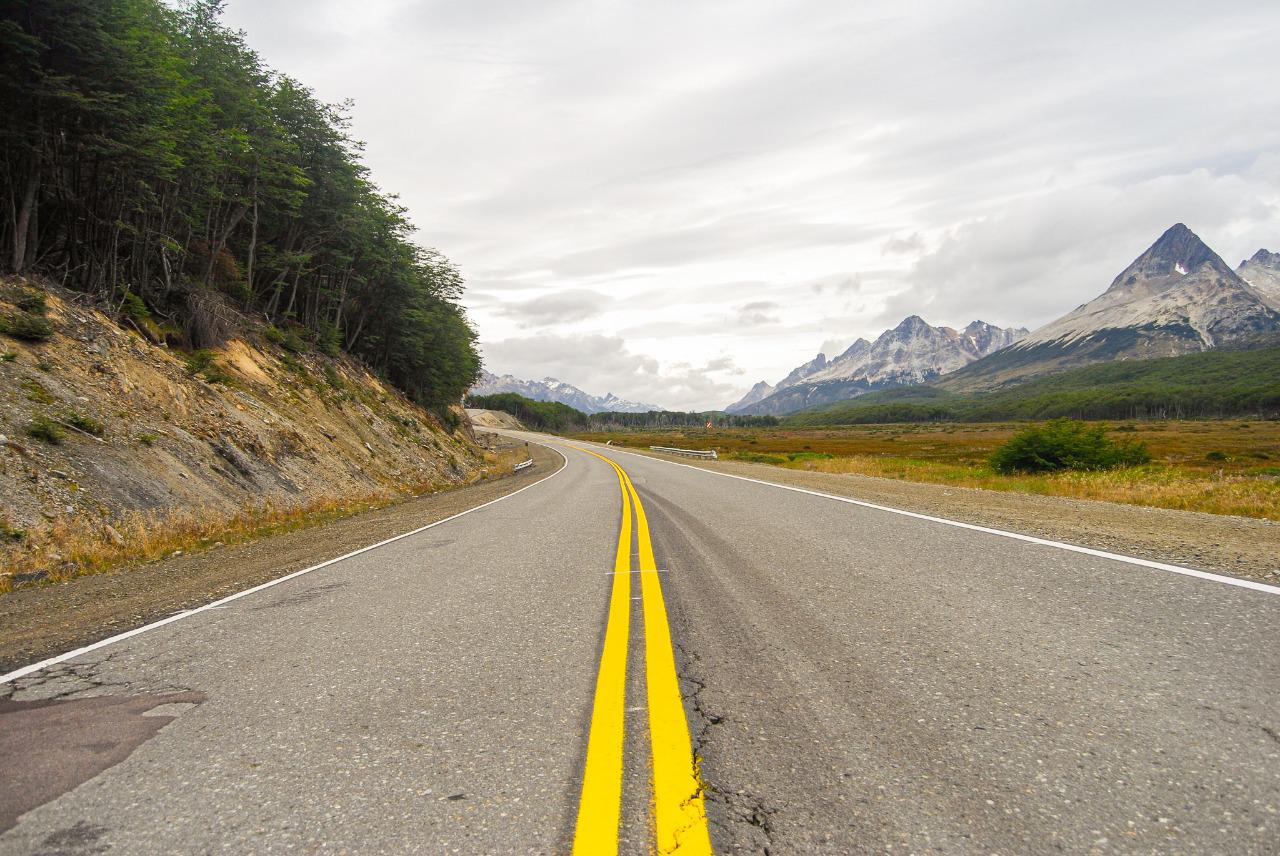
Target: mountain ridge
552,389
913,352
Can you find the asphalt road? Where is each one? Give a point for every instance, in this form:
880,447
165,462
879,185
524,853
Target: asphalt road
852,681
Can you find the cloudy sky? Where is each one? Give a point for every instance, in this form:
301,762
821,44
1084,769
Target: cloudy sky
671,200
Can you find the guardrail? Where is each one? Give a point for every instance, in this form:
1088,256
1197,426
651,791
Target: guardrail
523,465
691,453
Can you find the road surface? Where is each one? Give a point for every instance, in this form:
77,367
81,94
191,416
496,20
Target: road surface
774,671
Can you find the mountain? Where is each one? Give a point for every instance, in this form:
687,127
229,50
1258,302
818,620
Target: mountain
760,391
550,389
911,353
1262,272
1178,297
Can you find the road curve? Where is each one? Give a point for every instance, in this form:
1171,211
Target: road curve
853,681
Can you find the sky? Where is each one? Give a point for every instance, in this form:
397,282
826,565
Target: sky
671,200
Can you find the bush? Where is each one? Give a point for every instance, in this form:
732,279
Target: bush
34,302
1216,456
7,356
133,308
759,458
1066,444
44,428
204,363
148,438
24,325
87,424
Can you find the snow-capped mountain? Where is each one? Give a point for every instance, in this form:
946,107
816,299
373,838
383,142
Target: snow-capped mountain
1177,297
550,389
911,353
1262,272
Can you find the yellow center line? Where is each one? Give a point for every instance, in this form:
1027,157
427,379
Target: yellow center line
680,820
600,807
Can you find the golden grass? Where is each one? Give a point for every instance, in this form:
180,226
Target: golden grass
76,546
1219,467
1157,486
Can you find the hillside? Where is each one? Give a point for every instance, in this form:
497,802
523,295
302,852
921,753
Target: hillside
98,423
1208,384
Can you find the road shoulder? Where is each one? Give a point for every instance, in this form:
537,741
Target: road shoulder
36,623
1239,546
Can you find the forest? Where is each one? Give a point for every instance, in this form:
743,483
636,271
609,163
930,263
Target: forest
152,161
558,418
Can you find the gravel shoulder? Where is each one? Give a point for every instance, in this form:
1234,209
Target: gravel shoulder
41,622
1240,546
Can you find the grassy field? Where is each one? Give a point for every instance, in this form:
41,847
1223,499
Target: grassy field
1220,467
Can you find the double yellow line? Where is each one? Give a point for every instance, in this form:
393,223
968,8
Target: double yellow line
680,818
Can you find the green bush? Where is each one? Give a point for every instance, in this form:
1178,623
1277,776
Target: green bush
24,325
148,438
205,364
1216,456
87,424
758,458
1066,444
133,308
44,428
34,302
7,356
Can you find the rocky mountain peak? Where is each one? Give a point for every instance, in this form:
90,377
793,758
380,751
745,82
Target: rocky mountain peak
1264,258
1178,252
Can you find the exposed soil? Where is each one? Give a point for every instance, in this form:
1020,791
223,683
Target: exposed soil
41,622
1240,546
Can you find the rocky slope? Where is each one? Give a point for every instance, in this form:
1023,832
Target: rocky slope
913,352
247,424
550,389
1176,298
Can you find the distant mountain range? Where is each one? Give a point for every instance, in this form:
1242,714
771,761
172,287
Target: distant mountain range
1178,297
911,353
550,389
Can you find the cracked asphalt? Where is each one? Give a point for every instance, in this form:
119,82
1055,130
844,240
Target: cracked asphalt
855,681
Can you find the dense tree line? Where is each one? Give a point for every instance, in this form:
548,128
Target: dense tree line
560,418
151,159
1193,386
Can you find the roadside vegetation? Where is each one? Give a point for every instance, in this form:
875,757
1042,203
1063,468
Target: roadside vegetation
1213,466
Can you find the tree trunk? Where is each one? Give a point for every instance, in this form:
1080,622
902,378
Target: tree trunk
22,226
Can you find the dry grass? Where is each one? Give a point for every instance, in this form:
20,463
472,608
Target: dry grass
1219,467
75,546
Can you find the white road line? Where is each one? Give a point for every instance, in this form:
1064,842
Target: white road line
218,604
1030,539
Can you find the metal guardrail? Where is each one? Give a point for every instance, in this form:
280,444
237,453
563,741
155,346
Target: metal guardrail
691,453
523,465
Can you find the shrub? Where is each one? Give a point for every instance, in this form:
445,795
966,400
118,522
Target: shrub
148,438
44,428
1216,456
7,356
274,335
332,377
87,424
205,364
758,458
24,325
33,302
133,308
1066,444
199,360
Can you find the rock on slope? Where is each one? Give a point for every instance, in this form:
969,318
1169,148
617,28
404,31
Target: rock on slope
1177,297
913,352
550,389
289,429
